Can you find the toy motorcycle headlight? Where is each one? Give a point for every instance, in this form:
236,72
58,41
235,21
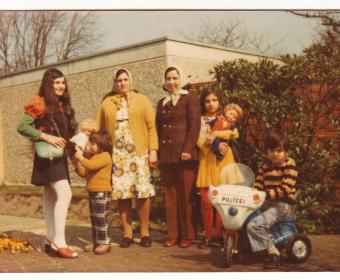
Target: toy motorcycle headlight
232,211
214,193
256,198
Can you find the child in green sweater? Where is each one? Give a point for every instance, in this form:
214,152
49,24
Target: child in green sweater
97,172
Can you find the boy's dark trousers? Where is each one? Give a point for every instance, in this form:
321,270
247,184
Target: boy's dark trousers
99,203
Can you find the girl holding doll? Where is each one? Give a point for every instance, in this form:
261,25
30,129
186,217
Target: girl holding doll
210,166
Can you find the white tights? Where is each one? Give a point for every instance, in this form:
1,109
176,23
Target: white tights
56,200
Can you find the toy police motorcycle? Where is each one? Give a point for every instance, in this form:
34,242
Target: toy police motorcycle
237,203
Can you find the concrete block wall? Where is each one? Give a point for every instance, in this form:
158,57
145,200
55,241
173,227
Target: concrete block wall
89,79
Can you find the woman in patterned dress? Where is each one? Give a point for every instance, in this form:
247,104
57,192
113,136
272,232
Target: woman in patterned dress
129,118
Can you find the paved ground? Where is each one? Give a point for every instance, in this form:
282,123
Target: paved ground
325,256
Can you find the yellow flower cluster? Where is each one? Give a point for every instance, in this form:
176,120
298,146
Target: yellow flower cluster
15,245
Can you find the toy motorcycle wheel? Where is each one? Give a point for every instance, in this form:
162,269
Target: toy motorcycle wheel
298,248
228,251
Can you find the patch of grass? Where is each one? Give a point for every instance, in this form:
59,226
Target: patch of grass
20,189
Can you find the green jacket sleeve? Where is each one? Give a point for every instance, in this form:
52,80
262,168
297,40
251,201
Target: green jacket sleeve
26,128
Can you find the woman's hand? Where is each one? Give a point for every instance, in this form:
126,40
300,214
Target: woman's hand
153,159
233,133
223,148
210,138
185,156
54,140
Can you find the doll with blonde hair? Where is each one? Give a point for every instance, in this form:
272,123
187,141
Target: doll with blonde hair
87,126
227,121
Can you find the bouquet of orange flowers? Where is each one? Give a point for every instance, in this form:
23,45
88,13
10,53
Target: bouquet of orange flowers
15,245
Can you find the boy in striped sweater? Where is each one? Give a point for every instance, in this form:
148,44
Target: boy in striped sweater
277,177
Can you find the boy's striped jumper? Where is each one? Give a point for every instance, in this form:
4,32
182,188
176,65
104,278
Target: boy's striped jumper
278,178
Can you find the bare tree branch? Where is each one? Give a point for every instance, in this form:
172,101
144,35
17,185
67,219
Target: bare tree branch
5,21
30,39
79,36
329,19
230,33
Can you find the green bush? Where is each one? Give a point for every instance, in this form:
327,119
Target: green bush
301,95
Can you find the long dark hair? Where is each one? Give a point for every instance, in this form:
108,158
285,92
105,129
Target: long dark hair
58,108
206,92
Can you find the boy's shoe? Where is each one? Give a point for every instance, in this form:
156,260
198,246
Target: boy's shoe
102,249
272,261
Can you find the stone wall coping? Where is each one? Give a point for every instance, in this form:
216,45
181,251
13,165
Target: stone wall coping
122,49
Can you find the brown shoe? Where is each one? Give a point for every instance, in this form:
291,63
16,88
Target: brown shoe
272,261
127,241
89,248
146,241
170,242
185,243
66,253
102,249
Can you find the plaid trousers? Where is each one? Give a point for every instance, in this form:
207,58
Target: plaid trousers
259,228
99,203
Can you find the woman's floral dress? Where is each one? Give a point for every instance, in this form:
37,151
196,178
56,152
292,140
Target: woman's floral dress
131,173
